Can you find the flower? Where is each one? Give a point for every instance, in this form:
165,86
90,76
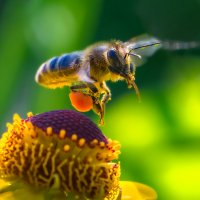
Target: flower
60,155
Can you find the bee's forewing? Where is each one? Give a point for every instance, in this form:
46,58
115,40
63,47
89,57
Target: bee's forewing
144,46
84,73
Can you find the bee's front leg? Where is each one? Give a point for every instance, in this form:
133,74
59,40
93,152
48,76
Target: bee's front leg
131,84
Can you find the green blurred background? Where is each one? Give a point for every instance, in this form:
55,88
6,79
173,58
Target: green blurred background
160,137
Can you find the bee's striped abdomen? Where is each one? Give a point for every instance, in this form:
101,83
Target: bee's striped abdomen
58,69
53,63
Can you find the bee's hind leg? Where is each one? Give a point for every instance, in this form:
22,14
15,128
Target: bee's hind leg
91,90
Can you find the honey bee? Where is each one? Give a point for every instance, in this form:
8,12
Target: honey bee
88,70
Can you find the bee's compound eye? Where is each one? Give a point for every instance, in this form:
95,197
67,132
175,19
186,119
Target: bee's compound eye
112,54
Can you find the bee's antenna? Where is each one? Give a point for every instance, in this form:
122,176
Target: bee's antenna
136,55
126,55
132,54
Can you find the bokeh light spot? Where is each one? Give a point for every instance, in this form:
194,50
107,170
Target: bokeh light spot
54,27
141,123
185,102
182,175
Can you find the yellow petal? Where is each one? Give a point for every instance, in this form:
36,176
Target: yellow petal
137,191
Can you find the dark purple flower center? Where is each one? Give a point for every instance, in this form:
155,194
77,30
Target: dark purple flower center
71,121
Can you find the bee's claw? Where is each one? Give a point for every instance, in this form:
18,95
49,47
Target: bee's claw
101,122
96,101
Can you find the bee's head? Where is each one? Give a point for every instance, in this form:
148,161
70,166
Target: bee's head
119,62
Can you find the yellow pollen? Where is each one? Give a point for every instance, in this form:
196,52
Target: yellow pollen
102,144
117,146
20,141
81,142
66,148
76,197
29,125
8,125
62,134
49,131
89,159
109,155
29,114
99,156
33,133
16,117
94,142
74,137
109,140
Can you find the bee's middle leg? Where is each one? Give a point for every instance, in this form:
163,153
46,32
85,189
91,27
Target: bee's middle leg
100,107
85,88
107,94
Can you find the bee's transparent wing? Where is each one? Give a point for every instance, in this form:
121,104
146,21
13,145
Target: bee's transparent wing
145,46
84,73
142,47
